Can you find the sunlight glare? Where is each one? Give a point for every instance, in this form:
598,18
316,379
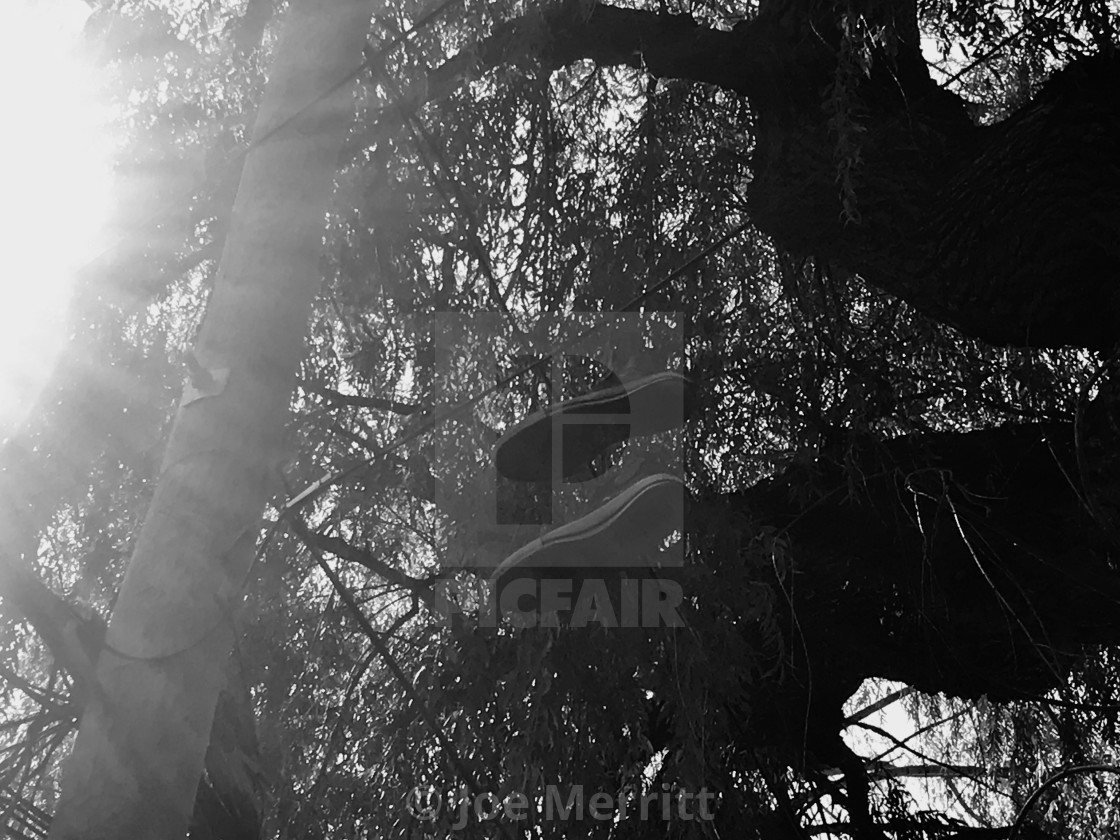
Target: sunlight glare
55,174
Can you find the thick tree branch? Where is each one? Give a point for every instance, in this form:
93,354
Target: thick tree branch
963,563
73,641
673,46
1008,233
344,551
956,563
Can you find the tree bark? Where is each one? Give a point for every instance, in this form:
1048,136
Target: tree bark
1010,233
956,563
140,749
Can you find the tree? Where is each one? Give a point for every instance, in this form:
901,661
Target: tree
843,94
900,307
149,707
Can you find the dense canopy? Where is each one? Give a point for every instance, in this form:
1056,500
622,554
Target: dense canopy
885,238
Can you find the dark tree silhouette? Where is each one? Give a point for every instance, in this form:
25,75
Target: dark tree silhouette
898,289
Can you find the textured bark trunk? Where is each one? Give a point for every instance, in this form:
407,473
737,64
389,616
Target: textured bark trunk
1010,233
145,731
964,564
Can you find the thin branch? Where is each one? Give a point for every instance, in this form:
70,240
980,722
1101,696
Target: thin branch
381,647
932,771
1017,826
879,705
950,768
354,400
344,551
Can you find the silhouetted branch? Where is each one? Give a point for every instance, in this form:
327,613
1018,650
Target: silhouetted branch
358,401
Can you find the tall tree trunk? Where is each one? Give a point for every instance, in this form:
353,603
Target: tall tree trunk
140,749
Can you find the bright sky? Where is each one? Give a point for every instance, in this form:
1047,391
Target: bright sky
54,178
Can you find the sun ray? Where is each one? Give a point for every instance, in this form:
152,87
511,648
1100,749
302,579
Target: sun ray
55,176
